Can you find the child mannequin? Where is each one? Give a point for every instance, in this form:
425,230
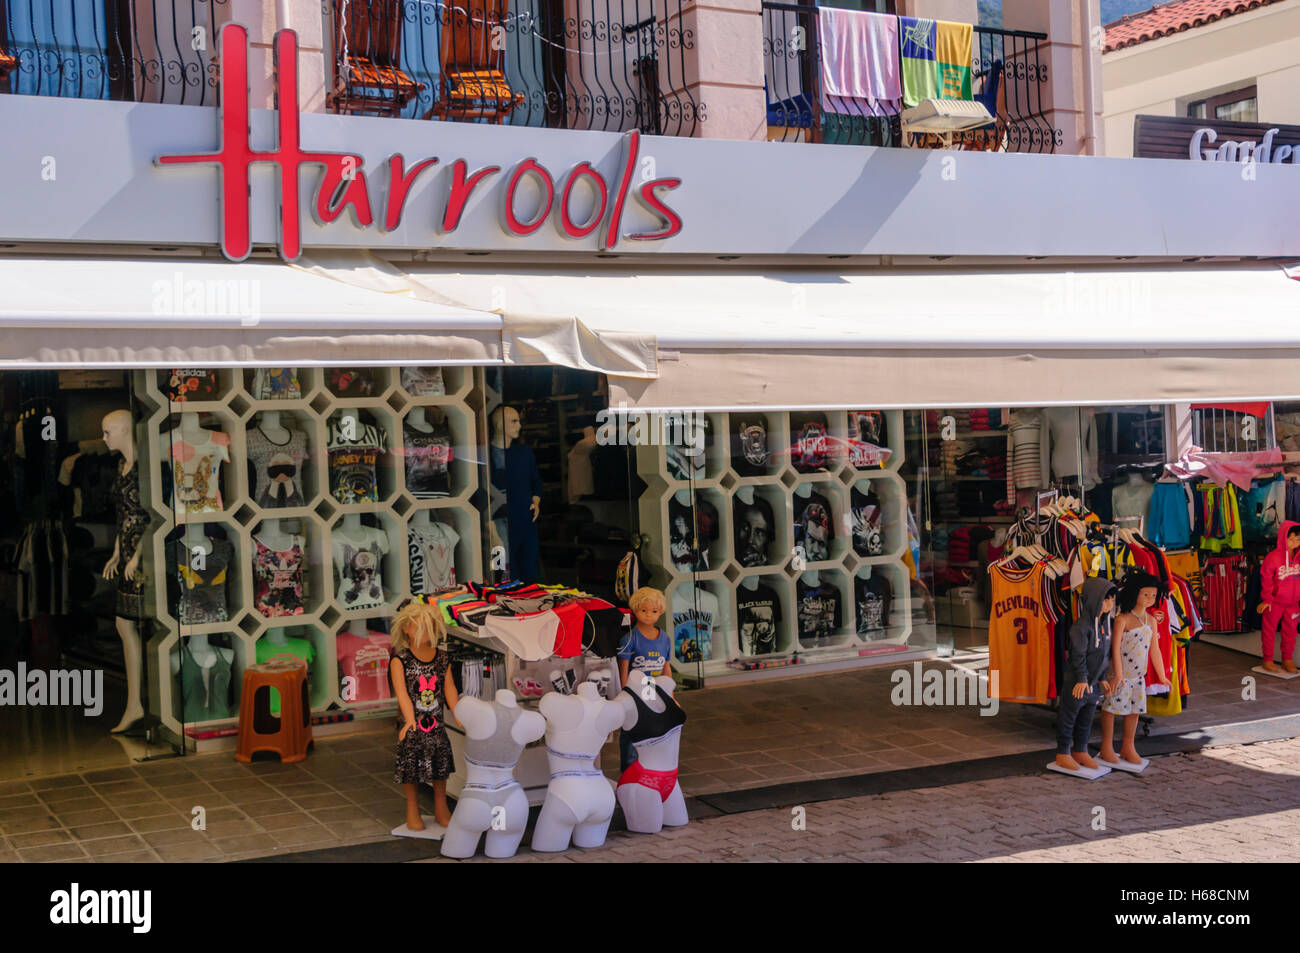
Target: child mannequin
1132,642
424,693
647,649
1090,650
1280,579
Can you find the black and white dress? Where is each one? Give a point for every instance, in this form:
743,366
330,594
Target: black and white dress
424,755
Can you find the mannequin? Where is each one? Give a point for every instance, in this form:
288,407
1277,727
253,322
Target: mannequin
124,564
514,474
692,529
431,545
273,536
820,614
278,578
1131,498
202,567
758,610
428,454
276,454
1028,463
580,799
582,481
695,616
214,665
195,455
1069,432
363,657
358,552
648,791
814,527
492,802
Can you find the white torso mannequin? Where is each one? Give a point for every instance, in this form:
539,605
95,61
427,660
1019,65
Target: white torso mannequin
1068,436
647,812
492,802
416,420
270,535
803,490
746,495
272,429
1131,498
750,583
812,578
420,520
580,799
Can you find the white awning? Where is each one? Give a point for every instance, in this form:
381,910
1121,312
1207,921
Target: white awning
141,312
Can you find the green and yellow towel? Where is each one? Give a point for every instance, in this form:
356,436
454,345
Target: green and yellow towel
936,59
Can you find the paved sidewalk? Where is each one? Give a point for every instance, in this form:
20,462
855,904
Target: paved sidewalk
1231,804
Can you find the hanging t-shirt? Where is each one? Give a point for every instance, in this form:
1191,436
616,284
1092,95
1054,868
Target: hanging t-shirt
277,468
276,383
428,456
758,611
750,455
350,382
814,527
196,471
868,440
873,597
203,581
423,381
298,648
694,617
810,445
755,528
820,613
353,461
363,667
688,543
433,556
181,384
691,441
648,656
278,578
357,557
866,516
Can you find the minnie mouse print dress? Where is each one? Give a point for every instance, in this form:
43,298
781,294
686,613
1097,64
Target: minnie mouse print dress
424,755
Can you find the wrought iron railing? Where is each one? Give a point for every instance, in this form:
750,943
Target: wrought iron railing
157,51
609,65
1009,72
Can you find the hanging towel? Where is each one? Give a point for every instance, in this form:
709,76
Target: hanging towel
860,68
936,59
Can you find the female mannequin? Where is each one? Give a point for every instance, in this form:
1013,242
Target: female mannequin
648,791
580,799
214,665
514,473
132,522
492,801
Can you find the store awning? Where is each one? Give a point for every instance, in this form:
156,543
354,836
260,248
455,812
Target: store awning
140,312
725,337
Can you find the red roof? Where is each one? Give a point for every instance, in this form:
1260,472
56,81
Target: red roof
1170,18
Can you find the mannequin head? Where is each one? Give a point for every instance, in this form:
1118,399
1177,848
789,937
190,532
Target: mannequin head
117,430
417,623
505,424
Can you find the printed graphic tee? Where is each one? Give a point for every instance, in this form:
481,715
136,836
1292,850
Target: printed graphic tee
820,613
277,468
758,612
685,461
276,383
749,451
874,597
814,528
868,439
203,581
181,384
196,471
357,557
278,578
433,557
810,444
350,382
694,617
364,660
353,461
688,542
866,517
428,456
648,656
754,531
423,381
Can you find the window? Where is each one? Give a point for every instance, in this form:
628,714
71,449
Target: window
1241,105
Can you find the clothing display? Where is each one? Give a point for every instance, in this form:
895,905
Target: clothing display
1088,659
423,381
814,526
205,692
350,382
298,648
132,521
810,446
694,617
183,384
688,452
1027,463
750,454
196,470
1169,520
755,527
358,555
514,473
531,637
646,655
873,597
868,439
432,552
1071,431
428,455
1280,590
202,578
1217,518
1130,500
354,448
424,753
867,518
277,468
819,610
651,724
1021,634
364,659
276,383
758,614
278,578
691,531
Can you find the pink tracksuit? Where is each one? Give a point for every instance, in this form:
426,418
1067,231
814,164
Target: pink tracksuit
1280,585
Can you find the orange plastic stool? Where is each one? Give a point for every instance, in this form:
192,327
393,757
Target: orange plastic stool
288,735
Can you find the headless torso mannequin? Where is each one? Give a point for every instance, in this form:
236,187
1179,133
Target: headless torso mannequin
1131,499
648,791
580,799
205,655
269,423
492,801
124,565
273,537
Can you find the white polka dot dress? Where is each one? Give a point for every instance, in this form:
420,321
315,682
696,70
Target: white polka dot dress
1130,696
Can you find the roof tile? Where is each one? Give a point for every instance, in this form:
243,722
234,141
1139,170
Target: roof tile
1175,17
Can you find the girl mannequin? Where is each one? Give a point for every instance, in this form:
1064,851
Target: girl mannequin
1133,640
424,694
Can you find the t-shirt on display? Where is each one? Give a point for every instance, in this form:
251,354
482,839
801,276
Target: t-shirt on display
868,529
196,470
357,556
814,527
694,617
689,540
433,556
428,455
354,448
809,444
868,439
276,383
364,660
874,597
202,577
754,530
423,381
750,455
820,613
758,612
277,468
181,384
278,578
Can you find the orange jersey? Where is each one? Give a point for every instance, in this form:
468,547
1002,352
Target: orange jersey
1021,632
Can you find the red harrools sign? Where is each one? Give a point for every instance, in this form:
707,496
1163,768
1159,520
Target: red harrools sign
343,184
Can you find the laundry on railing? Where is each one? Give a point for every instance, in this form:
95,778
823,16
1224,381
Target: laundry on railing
936,59
859,61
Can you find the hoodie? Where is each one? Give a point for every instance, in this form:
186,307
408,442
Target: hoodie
1279,576
1089,639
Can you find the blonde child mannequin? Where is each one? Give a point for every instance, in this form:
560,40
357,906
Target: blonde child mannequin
646,649
1133,640
425,695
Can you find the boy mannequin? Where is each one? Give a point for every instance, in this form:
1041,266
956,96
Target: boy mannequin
1089,658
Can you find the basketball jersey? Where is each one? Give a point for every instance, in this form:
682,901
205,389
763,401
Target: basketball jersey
1021,627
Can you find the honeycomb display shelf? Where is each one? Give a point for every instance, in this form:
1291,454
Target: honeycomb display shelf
235,412
781,485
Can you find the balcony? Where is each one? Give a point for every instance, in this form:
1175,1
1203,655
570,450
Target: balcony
1008,76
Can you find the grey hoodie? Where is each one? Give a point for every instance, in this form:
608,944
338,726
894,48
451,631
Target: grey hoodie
1089,640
